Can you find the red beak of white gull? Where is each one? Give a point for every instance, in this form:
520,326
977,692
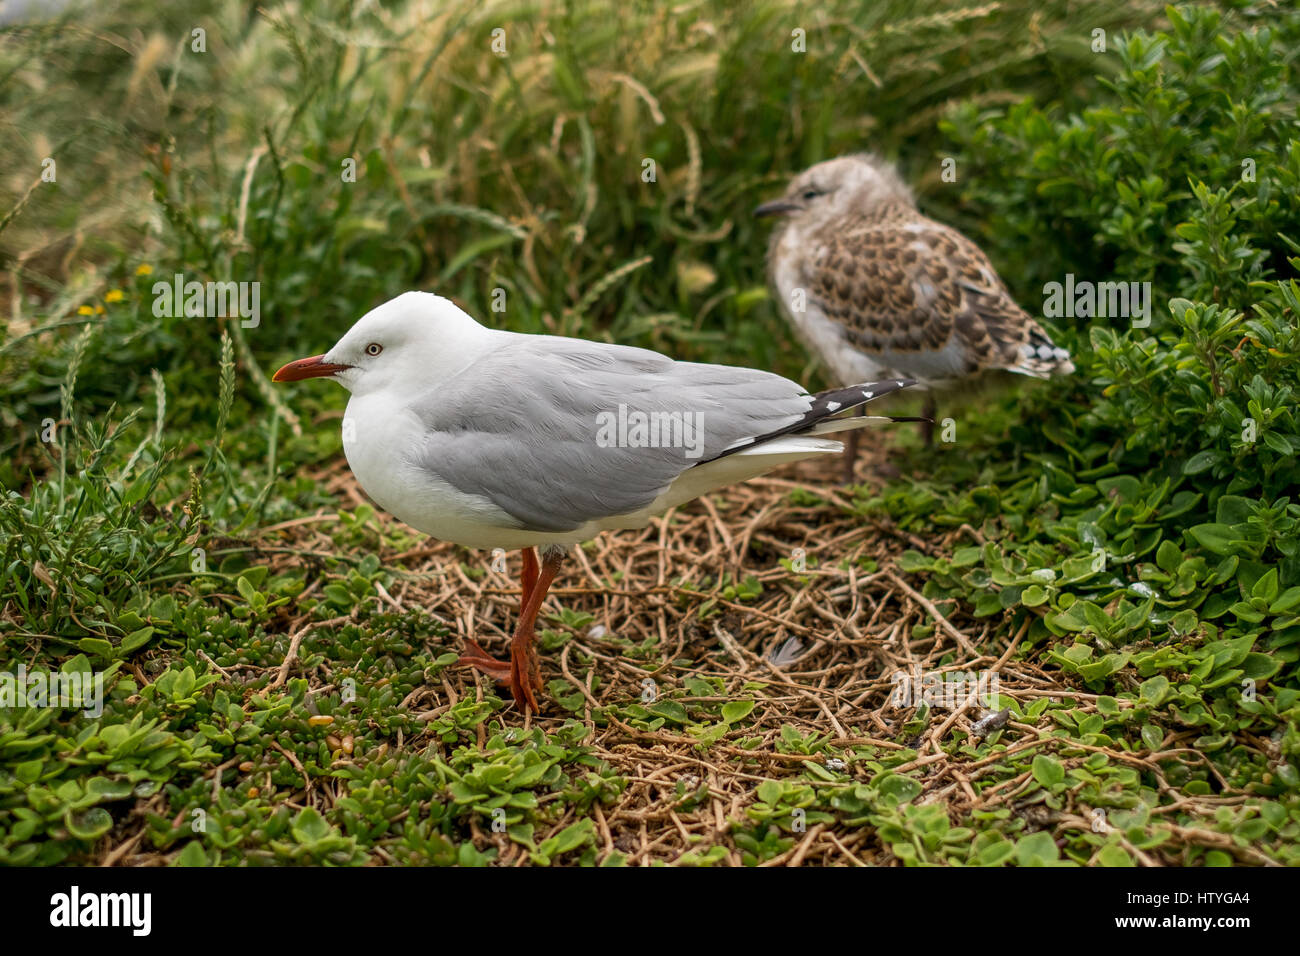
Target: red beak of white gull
312,367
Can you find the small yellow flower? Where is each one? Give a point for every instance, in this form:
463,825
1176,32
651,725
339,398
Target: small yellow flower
85,310
144,270
99,310
114,295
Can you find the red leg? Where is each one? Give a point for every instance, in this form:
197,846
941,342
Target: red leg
525,673
474,655
528,577
522,670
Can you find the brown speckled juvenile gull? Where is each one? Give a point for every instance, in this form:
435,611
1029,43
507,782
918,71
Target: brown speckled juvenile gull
877,290
493,439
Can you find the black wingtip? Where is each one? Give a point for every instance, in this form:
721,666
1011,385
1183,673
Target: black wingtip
897,383
880,387
833,403
851,396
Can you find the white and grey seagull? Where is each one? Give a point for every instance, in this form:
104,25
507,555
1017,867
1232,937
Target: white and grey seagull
496,439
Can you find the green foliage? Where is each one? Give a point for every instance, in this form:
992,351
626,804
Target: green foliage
473,172
1140,522
1182,175
1206,396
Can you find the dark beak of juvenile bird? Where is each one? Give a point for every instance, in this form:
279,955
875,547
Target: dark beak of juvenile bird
777,207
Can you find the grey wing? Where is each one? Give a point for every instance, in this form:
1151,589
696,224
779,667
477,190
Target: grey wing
537,428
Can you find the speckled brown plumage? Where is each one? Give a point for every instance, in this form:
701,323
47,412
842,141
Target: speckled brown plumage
874,286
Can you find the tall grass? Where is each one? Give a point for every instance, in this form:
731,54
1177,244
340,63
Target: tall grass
475,171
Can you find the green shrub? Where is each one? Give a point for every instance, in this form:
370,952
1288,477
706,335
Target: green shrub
1145,510
1182,175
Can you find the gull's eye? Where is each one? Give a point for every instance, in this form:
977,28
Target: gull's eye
810,194
374,348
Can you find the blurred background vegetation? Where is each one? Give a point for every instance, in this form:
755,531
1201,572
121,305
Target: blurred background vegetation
475,171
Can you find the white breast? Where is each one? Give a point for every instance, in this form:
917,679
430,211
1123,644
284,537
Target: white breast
380,439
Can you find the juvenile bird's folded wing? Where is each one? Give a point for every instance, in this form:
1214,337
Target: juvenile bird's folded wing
922,294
